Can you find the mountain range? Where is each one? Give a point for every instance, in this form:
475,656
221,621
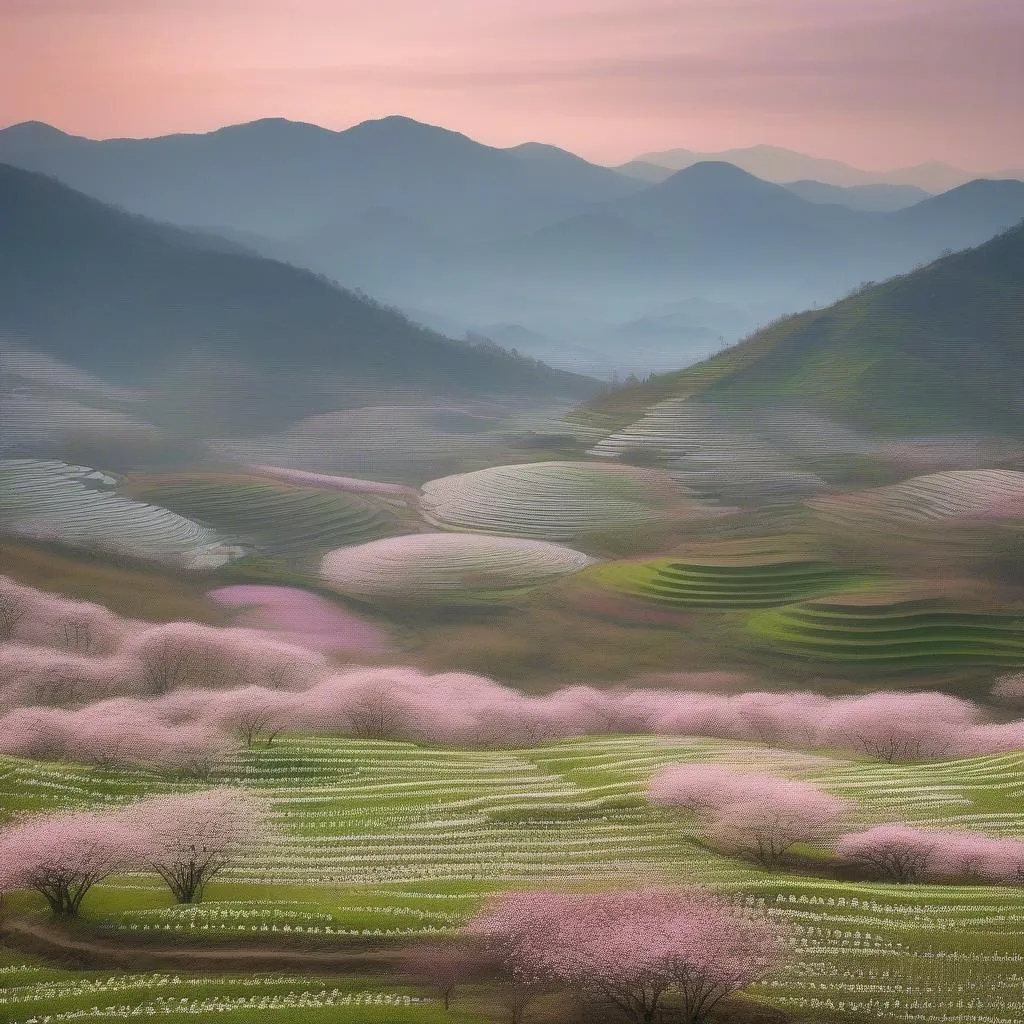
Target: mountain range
134,301
532,239
935,350
774,163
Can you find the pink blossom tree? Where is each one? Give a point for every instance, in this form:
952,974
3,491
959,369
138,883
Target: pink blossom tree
442,966
902,726
61,856
253,713
114,733
1009,691
13,608
896,853
756,816
634,950
190,838
902,853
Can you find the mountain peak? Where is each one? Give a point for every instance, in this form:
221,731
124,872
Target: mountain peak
717,174
32,130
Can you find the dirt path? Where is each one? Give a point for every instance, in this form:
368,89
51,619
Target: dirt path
82,950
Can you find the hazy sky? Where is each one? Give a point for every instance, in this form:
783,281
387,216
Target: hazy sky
878,83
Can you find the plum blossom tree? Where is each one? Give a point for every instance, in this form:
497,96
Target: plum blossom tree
110,733
760,817
902,727
901,853
61,856
443,966
896,853
253,713
1009,691
12,608
634,950
188,839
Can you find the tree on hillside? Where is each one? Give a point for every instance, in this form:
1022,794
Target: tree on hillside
62,856
1009,691
895,853
901,853
751,815
191,838
636,951
898,727
443,966
12,609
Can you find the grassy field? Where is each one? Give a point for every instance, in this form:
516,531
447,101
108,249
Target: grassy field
891,631
678,583
385,842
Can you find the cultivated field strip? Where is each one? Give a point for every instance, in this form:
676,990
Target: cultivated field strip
277,518
556,501
676,583
902,632
934,954
447,566
42,498
713,453
59,997
964,494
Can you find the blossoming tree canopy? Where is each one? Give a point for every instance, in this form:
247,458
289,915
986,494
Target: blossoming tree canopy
188,839
636,950
61,856
753,815
902,853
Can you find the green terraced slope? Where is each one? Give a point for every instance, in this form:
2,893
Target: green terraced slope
935,350
387,840
901,633
278,518
678,584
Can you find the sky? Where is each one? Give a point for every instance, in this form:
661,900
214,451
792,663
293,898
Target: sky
876,83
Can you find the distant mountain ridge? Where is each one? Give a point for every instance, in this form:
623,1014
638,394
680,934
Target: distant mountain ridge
427,219
775,163
934,350
285,178
122,296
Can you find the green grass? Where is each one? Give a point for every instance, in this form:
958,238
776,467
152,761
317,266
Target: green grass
899,634
280,518
675,583
180,998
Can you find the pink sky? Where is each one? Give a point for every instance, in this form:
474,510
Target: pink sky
877,83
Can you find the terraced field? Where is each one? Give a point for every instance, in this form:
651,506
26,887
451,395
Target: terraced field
277,518
716,453
952,496
675,583
442,567
891,632
41,498
388,840
557,501
35,994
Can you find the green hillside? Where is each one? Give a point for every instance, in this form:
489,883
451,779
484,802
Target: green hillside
936,349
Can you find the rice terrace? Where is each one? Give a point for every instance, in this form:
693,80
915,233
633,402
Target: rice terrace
515,572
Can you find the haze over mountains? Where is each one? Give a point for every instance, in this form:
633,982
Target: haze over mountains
578,264
145,304
774,163
935,350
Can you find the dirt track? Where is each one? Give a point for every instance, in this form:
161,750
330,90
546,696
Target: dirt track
84,950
